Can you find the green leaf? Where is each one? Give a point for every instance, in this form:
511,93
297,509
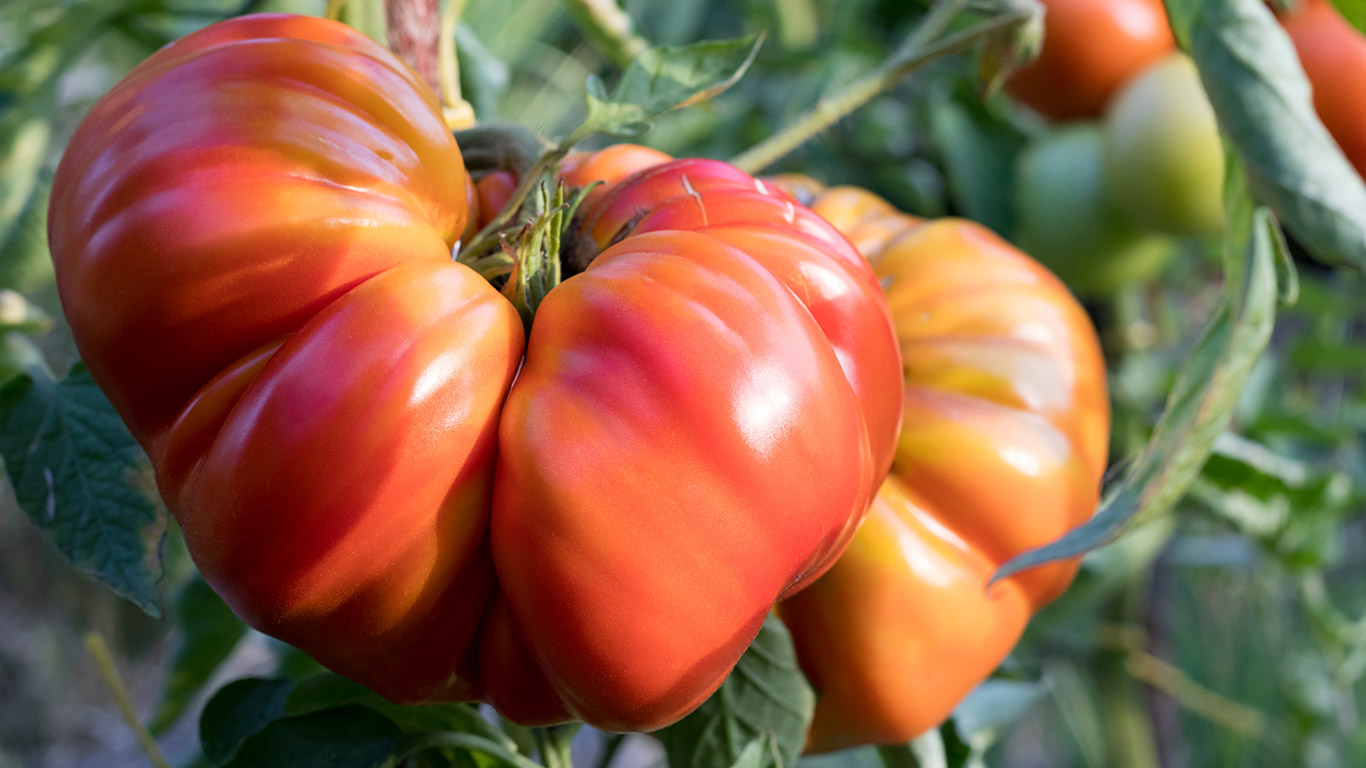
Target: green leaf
18,354
939,748
755,753
24,142
25,264
484,78
1354,11
237,711
83,480
1198,409
368,17
19,314
766,694
341,737
1263,103
979,157
209,631
329,690
662,79
995,704
1291,507
274,721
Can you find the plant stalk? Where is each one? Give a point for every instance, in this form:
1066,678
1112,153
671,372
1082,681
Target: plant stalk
610,29
99,651
914,53
414,32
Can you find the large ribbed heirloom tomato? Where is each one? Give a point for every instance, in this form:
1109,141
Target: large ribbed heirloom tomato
1002,449
252,235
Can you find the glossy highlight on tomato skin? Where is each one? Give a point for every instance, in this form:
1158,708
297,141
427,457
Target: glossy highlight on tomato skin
738,443
717,262
288,179
1002,448
268,297
252,241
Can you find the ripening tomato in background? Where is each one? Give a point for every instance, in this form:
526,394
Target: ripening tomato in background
1002,449
492,193
252,235
1090,49
1067,222
1164,160
1333,53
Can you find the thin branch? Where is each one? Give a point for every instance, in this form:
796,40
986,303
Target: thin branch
914,53
610,29
99,651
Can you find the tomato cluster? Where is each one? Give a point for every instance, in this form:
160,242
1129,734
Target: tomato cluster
1099,201
372,459
368,456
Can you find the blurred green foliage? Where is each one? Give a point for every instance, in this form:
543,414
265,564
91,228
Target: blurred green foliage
1233,634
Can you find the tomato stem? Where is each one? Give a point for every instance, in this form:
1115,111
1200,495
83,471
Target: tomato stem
414,28
554,744
914,53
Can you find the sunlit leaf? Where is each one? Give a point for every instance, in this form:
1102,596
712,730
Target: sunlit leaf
766,693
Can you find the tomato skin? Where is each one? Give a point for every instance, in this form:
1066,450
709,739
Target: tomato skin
902,592
609,166
689,234
391,438
268,358
493,193
593,354
243,198
252,236
1067,222
1090,49
1333,54
1164,160
1005,400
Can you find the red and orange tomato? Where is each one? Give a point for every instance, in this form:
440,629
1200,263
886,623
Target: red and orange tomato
1090,49
252,235
1002,449
1333,54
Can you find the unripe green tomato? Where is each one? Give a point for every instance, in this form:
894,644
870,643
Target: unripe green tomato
1164,163
1066,222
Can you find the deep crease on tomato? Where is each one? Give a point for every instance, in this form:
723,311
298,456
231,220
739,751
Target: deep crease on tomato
368,457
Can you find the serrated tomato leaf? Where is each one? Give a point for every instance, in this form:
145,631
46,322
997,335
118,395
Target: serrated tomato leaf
766,694
329,690
342,737
1263,102
209,631
84,481
237,711
1198,409
662,79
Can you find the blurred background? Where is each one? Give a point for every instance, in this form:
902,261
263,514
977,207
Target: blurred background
1229,634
